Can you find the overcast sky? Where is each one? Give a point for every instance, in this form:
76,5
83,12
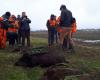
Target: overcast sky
86,12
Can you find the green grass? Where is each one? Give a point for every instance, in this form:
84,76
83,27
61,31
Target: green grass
10,72
17,73
86,59
71,78
38,41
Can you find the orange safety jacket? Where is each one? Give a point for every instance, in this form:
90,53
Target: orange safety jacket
52,23
2,35
12,30
15,26
74,27
59,29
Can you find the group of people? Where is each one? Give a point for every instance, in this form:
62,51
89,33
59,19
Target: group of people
14,29
62,28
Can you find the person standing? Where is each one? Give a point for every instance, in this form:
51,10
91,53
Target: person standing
56,33
3,29
18,20
25,30
65,24
12,31
51,25
74,27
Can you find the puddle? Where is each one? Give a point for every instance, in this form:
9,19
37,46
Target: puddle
91,41
87,41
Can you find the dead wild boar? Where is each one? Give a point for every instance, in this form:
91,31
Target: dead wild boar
42,59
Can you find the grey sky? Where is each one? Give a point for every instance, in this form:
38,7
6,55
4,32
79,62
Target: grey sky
87,12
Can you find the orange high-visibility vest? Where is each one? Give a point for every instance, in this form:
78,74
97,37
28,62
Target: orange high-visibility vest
3,38
2,35
12,30
59,29
14,27
52,23
1,18
74,27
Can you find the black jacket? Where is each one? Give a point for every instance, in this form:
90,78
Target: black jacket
66,18
25,24
5,22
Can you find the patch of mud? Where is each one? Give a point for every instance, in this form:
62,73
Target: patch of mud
59,73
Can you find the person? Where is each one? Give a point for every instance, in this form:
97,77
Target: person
3,29
59,29
12,31
65,24
74,26
25,30
18,21
65,43
51,24
56,33
49,33
23,14
1,32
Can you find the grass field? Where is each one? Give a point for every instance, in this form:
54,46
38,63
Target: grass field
80,34
10,72
86,59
